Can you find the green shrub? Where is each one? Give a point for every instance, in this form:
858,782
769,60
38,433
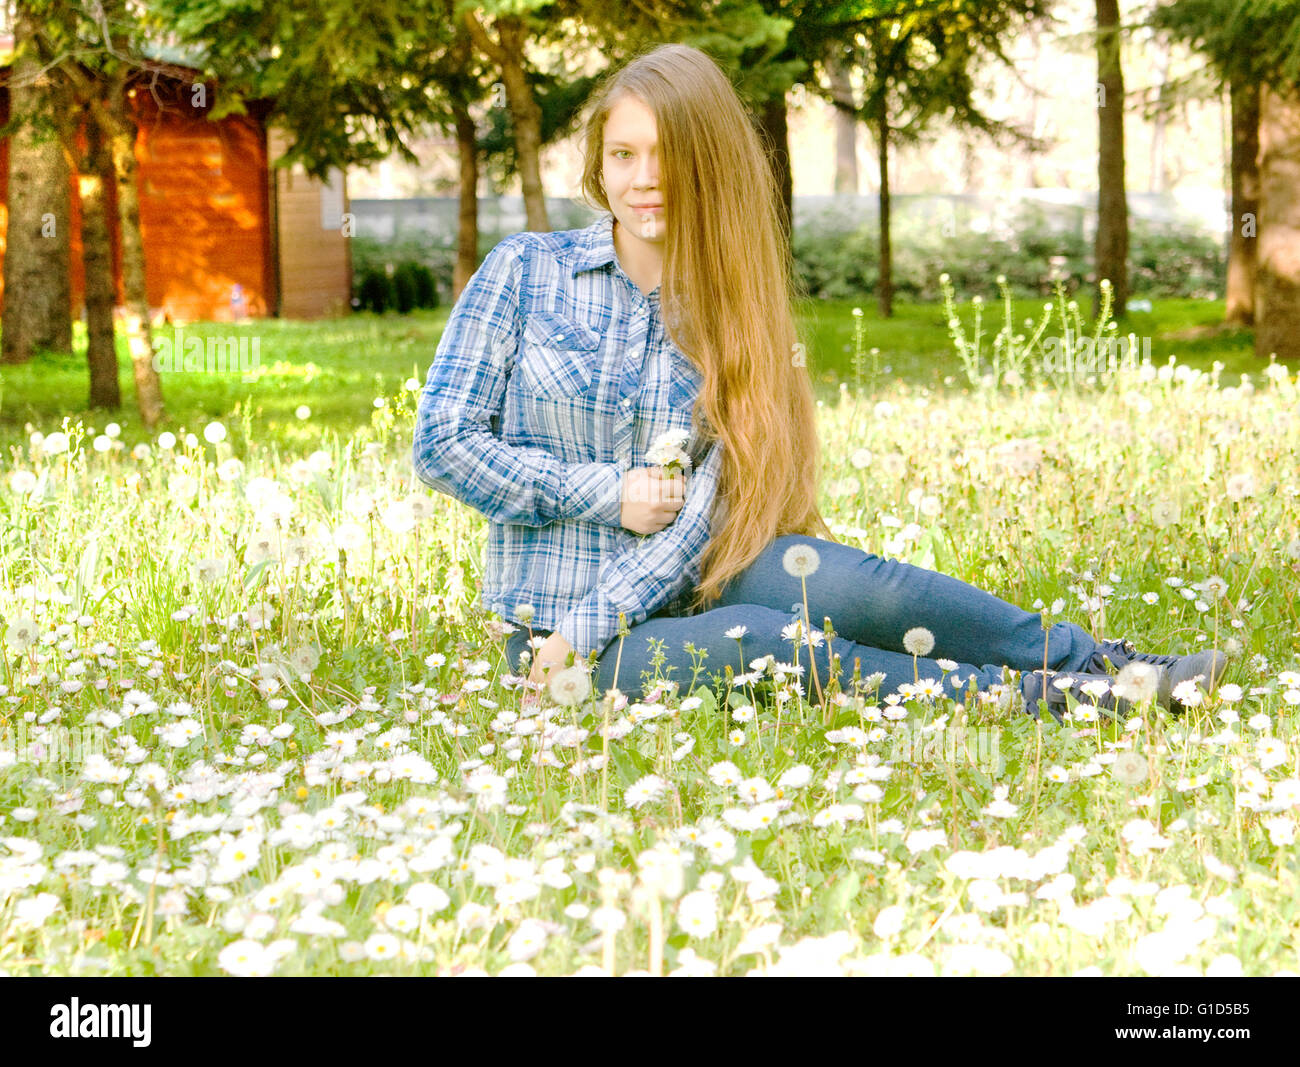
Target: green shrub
404,289
371,254
375,291
426,290
837,257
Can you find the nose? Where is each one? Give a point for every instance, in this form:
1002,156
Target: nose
646,174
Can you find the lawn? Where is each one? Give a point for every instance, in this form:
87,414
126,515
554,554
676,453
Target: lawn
330,366
231,748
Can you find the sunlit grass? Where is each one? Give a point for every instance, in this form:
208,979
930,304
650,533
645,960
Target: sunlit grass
335,366
253,722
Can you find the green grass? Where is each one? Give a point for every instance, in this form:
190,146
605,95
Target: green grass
915,346
146,620
337,367
1182,865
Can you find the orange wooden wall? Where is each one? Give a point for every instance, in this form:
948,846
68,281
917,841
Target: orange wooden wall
204,209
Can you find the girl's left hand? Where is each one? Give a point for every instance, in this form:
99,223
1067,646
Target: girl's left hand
555,649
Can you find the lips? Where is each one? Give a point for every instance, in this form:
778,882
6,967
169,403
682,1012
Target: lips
646,207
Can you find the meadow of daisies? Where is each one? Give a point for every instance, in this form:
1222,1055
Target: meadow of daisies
251,722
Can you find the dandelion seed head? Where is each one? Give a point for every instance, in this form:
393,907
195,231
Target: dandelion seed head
1129,768
1137,681
570,686
801,560
918,641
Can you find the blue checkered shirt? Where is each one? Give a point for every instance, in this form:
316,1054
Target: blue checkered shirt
553,378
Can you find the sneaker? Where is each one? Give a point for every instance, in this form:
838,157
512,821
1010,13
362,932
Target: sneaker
1112,655
1210,665
1207,668
1053,690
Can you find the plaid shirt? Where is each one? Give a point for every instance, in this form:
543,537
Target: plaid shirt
553,378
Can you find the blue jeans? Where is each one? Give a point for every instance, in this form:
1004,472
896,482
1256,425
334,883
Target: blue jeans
872,602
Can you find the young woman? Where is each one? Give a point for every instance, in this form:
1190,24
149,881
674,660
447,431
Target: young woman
570,354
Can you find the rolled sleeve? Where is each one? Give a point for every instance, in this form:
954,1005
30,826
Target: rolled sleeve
454,449
592,492
650,574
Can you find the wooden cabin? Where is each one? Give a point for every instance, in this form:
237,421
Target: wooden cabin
226,236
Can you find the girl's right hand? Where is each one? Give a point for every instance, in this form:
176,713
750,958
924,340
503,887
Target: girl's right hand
651,500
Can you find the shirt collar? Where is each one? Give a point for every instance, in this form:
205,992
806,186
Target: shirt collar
596,247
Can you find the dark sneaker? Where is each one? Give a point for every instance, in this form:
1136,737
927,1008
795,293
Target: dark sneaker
1210,665
1141,680
1206,669
1053,690
1112,655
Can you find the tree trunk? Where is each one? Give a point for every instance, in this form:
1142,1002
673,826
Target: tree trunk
1277,291
1037,119
776,131
846,122
885,290
467,220
1242,244
96,169
525,115
1158,181
37,289
1111,252
120,132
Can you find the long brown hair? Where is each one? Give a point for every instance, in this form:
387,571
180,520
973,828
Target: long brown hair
726,256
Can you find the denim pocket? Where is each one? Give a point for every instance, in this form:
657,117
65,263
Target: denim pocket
559,356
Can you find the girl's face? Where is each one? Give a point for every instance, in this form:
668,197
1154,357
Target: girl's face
631,170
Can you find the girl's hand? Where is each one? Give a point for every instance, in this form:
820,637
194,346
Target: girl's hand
651,499
551,656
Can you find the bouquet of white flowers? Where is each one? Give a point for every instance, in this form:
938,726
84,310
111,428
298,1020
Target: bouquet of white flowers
667,452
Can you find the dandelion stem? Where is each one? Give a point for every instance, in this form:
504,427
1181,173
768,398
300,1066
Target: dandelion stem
604,763
1038,755
415,589
812,655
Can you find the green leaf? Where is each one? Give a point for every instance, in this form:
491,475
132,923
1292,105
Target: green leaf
846,716
255,571
626,764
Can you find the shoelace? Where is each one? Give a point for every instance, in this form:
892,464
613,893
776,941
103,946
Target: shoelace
1122,652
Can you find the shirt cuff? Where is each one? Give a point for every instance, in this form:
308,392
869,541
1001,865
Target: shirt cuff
592,492
593,624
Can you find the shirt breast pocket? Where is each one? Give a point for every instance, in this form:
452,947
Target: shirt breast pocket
684,383
558,357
